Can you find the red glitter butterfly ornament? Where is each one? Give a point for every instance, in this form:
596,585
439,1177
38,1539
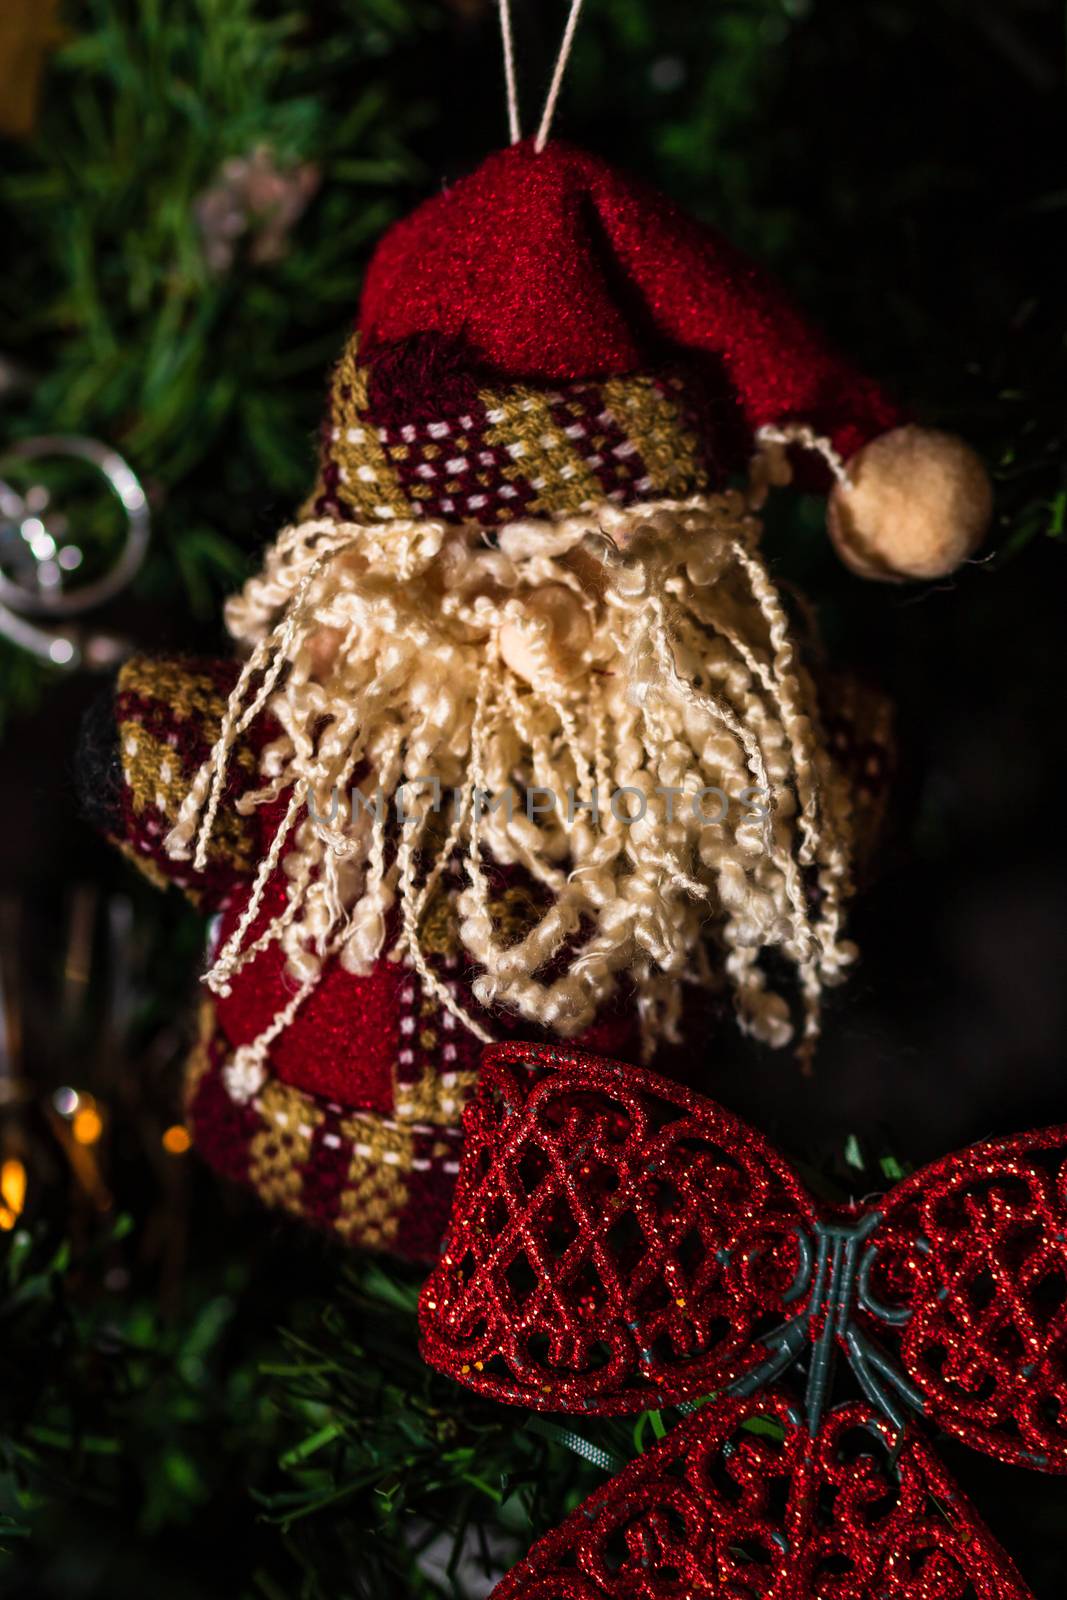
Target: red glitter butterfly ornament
619,1242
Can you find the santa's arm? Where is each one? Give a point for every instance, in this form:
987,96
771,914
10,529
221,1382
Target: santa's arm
142,744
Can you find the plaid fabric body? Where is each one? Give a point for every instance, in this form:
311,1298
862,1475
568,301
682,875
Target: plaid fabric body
357,1128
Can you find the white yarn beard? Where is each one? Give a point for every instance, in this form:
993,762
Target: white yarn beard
663,661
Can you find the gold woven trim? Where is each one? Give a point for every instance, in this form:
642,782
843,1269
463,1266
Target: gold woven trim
545,465
367,477
182,689
669,451
155,778
436,1098
277,1154
375,1191
541,452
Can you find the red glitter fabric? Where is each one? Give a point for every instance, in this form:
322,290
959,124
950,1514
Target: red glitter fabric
344,1040
740,1502
976,1247
617,1238
619,1242
553,267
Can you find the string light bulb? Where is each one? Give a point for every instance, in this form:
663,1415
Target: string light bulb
12,1192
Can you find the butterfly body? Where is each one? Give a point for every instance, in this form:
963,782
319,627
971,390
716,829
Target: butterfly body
833,1285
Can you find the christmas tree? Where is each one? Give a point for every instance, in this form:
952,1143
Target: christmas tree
198,1394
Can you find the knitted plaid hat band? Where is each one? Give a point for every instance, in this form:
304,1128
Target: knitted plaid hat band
492,454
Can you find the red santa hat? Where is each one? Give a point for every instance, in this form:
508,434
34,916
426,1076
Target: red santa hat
548,333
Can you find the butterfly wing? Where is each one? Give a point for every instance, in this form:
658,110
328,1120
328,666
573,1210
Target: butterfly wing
617,1241
739,1500
975,1249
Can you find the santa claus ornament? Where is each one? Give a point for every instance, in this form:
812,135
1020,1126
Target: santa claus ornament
522,741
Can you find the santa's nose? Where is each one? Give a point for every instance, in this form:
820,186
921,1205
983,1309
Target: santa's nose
547,634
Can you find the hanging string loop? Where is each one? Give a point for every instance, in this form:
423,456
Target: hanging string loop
510,83
514,124
557,76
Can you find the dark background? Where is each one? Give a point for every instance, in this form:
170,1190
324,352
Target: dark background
900,165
